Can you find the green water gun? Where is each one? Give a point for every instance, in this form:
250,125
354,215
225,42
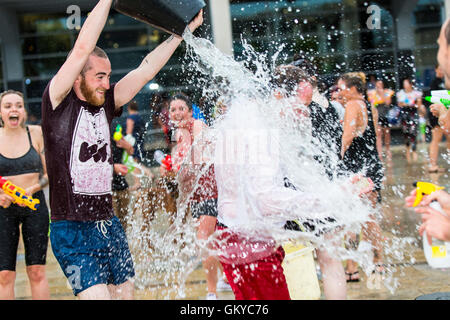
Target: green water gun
439,96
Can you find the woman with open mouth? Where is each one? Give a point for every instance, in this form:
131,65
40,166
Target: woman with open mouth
22,162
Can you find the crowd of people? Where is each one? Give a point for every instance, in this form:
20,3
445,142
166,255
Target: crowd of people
74,152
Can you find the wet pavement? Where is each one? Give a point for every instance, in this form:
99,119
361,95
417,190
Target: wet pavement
415,278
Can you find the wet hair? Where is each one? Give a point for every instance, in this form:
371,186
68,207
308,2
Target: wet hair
133,105
97,52
305,64
407,79
8,92
355,79
181,96
288,77
381,80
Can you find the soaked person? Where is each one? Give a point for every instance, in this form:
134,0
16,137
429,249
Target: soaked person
78,106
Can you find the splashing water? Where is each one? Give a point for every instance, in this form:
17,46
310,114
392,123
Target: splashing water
166,255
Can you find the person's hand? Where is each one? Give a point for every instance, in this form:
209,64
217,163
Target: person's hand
196,22
440,196
436,224
163,171
32,190
123,144
363,184
409,200
437,109
120,169
5,200
185,124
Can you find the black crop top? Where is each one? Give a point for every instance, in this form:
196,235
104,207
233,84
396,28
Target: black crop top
30,162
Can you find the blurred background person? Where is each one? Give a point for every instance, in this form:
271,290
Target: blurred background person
409,100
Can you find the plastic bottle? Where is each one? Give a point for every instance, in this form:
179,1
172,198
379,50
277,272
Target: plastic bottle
438,253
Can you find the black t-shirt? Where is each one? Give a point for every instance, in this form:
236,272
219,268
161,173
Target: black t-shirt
77,142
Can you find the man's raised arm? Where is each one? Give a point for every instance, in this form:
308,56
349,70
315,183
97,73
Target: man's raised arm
127,88
62,82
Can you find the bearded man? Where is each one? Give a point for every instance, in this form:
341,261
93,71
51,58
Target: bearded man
78,106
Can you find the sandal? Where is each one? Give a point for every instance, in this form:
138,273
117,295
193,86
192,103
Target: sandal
352,276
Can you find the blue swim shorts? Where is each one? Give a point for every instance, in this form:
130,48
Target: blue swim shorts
92,252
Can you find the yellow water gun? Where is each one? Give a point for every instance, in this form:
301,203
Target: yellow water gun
18,194
424,188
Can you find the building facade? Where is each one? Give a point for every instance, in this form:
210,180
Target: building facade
389,39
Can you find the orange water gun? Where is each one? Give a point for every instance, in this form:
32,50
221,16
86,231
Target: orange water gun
18,194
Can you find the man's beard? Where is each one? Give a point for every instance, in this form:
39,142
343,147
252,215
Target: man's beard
89,94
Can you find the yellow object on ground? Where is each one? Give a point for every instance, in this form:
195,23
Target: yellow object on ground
300,272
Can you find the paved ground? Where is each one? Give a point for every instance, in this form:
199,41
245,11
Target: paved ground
414,279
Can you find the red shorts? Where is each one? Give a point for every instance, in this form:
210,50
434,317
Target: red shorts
259,280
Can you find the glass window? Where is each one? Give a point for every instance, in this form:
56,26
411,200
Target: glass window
428,11
326,29
47,44
116,39
40,67
34,112
126,59
35,88
427,36
42,23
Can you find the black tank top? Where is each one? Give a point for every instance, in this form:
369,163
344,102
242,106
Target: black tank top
362,154
30,162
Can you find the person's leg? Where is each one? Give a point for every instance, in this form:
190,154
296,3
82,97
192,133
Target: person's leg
387,143
436,137
333,275
207,225
7,280
351,269
124,291
373,233
38,282
96,292
380,141
414,133
9,242
35,238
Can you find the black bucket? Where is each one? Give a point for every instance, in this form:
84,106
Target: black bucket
169,15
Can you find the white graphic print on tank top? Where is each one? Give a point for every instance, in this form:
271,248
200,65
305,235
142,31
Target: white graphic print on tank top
90,168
